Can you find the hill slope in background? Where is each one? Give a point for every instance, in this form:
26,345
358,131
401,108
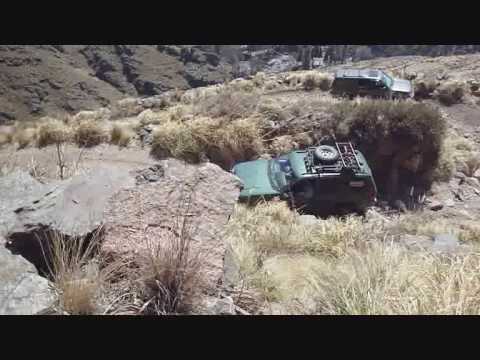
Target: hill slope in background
36,80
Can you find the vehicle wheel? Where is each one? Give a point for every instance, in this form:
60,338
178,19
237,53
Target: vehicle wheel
327,154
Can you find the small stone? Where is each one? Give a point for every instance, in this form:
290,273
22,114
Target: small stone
460,175
445,243
308,220
417,241
435,206
477,174
214,306
474,182
152,178
449,203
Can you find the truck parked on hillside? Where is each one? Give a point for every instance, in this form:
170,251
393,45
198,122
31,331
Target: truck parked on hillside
372,83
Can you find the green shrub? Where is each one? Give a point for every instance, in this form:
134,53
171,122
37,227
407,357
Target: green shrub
387,129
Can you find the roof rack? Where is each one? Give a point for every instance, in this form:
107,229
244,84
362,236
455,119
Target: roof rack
348,160
348,156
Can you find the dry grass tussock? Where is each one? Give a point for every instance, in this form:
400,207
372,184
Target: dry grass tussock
52,131
385,130
310,80
387,280
220,140
457,154
122,134
425,88
5,139
467,231
76,272
90,133
24,137
103,114
169,276
451,92
126,108
228,103
349,266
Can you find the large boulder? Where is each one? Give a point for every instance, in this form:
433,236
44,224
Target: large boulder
22,290
18,190
73,208
134,205
201,197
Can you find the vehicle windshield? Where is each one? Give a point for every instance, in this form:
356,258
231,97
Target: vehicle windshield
280,172
388,80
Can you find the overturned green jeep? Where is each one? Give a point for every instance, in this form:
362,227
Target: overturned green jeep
370,83
319,179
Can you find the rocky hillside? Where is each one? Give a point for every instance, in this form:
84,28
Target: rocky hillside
43,79
137,211
36,80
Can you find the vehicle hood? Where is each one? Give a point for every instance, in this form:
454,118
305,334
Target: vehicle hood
255,178
401,85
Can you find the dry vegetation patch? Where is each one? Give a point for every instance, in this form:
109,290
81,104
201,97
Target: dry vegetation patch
350,266
220,140
457,154
76,272
451,92
90,133
52,131
122,134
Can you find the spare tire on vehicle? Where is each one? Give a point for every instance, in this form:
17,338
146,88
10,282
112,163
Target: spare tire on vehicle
327,154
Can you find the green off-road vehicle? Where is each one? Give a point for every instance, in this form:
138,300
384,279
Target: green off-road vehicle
323,178
372,83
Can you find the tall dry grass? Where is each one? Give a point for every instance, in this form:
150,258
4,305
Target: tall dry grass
77,272
122,134
457,154
351,266
52,132
170,273
90,133
221,141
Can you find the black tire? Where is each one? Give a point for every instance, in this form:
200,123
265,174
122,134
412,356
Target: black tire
327,154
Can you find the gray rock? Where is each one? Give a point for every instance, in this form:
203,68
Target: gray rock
18,190
231,270
152,174
22,290
474,182
202,196
445,243
460,175
72,208
435,206
477,174
416,241
146,135
449,203
308,220
216,306
281,64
